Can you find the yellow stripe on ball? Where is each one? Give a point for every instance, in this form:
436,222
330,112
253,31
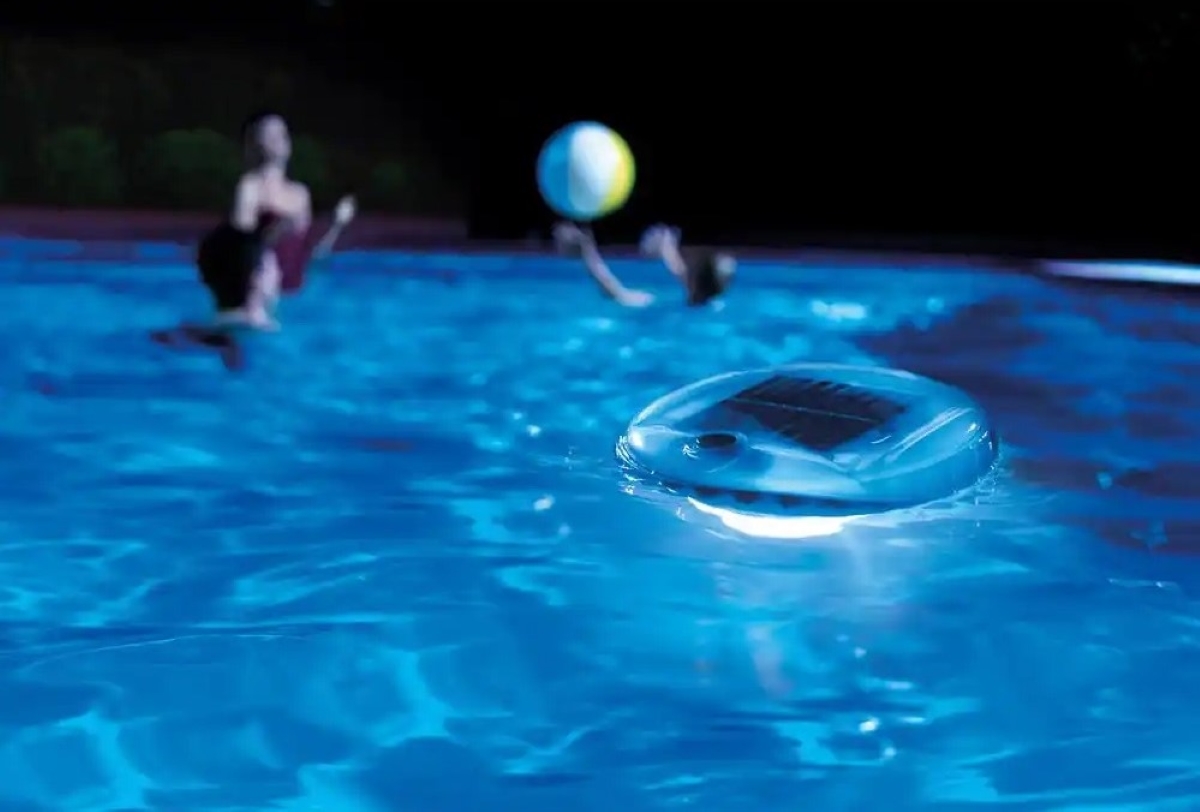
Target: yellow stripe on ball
623,177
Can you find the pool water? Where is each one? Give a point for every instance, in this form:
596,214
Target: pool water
392,565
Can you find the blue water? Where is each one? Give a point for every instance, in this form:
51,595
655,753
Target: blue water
392,565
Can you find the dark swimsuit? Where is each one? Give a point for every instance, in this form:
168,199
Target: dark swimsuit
293,251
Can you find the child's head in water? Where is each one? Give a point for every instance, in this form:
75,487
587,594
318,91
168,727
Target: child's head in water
709,275
706,273
266,139
239,275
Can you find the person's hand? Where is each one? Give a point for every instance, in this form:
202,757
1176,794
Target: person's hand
568,235
345,210
635,298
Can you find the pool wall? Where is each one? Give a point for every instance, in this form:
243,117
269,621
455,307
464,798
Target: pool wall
369,230
108,234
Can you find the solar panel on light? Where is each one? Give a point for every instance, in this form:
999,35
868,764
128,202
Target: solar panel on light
817,414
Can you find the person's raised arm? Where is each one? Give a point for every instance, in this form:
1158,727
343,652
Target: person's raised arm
569,235
342,215
663,242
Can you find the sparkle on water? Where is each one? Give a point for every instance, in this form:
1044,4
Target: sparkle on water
393,565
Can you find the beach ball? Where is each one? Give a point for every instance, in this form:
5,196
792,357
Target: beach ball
585,171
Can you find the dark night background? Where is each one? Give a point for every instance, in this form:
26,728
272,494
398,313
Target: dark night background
1045,124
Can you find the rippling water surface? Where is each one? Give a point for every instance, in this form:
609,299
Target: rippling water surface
392,566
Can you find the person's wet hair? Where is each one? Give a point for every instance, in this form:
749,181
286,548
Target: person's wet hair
708,275
255,120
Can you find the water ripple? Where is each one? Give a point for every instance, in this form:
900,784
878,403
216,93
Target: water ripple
393,566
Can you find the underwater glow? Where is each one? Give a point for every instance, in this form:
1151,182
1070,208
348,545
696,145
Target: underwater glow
760,525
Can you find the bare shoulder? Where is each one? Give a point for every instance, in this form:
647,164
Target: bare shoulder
253,179
249,185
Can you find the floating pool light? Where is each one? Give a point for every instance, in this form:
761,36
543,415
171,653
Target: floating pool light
824,442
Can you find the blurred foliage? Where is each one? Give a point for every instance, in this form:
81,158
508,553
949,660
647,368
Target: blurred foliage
310,166
413,187
189,169
78,166
92,125
387,186
1163,43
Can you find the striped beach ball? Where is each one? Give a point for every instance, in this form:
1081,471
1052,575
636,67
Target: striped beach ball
585,171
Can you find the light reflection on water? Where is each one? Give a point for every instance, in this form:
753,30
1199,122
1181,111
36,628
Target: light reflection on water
394,566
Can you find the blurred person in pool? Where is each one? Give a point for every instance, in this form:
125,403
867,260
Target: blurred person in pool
264,247
704,274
